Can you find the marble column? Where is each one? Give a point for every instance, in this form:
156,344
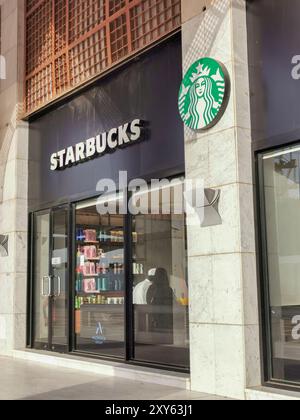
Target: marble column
225,356
13,181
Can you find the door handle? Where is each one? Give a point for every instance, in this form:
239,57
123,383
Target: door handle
43,286
58,286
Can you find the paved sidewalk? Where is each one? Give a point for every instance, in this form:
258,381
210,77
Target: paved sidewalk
33,381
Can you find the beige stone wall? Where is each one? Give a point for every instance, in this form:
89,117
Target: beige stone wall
224,326
225,357
13,181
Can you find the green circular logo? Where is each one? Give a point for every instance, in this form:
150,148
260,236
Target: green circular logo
203,94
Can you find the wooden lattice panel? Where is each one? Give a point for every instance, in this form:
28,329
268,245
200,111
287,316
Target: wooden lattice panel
85,15
88,58
60,26
69,42
115,6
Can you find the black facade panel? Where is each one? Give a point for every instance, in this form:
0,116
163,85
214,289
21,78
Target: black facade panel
146,89
273,40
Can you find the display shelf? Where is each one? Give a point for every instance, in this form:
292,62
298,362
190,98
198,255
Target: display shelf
97,305
112,293
87,242
111,243
86,294
100,243
94,259
109,271
90,275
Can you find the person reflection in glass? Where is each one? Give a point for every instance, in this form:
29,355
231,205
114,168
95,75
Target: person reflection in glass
160,297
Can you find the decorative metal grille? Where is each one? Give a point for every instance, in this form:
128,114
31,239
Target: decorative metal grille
71,41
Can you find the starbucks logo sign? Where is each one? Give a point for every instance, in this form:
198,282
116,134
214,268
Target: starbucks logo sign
203,94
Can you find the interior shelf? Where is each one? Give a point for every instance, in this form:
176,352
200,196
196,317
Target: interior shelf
107,243
117,294
87,242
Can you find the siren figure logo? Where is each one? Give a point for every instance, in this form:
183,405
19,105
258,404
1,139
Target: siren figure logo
202,94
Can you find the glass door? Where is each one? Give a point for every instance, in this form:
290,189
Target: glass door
41,280
50,280
59,277
99,280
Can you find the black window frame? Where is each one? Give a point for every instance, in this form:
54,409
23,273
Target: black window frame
263,272
129,329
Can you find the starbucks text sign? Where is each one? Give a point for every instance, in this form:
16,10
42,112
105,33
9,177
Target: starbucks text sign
99,145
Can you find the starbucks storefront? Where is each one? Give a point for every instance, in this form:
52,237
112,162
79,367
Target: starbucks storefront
111,283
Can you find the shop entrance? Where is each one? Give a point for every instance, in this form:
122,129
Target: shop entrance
50,280
112,285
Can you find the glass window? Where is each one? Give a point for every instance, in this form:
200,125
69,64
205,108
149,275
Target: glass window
160,289
159,272
99,282
281,183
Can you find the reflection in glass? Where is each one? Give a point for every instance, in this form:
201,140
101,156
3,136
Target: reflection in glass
59,279
160,290
282,202
41,280
99,282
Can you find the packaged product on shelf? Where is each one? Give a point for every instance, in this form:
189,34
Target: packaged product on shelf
78,281
104,283
92,251
80,236
92,268
90,235
89,285
86,252
78,255
89,269
99,283
81,258
86,269
103,237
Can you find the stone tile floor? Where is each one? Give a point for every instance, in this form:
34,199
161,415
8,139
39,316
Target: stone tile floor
34,381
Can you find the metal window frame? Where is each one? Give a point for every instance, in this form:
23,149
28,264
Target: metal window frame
30,321
128,310
263,273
